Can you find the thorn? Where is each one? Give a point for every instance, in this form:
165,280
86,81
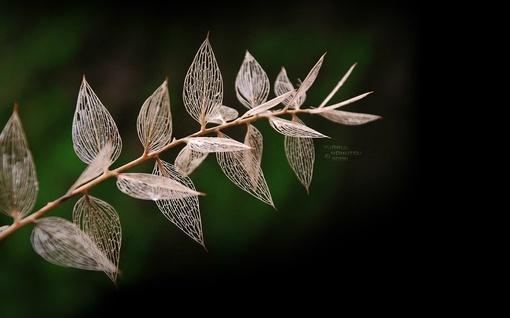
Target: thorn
166,80
248,55
15,108
83,78
207,36
205,248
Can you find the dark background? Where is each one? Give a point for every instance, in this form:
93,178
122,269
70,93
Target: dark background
354,236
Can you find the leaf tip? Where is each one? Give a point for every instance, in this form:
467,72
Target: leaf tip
207,36
15,108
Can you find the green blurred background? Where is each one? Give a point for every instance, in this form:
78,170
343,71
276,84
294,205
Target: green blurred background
356,211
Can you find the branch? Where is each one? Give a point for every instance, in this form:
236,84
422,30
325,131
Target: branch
32,218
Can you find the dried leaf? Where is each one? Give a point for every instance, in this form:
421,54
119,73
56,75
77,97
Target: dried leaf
93,127
254,140
18,178
338,105
252,84
283,85
203,85
154,123
308,81
101,223
95,168
241,172
214,144
267,105
185,212
300,154
147,186
223,114
349,118
62,243
293,129
337,87
253,158
188,160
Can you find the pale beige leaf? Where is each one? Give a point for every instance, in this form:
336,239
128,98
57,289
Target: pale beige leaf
147,186
203,85
253,158
93,127
241,172
154,123
293,129
223,115
308,81
188,160
267,105
252,83
215,144
95,168
101,223
283,85
18,178
185,212
337,87
349,118
62,243
300,154
338,105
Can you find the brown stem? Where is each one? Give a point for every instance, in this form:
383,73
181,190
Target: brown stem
32,218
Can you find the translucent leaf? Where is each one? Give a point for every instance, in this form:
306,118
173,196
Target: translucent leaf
215,144
188,160
338,105
252,84
253,158
154,123
185,212
93,127
95,168
283,85
308,81
294,129
300,154
267,105
18,179
349,118
62,243
146,186
241,172
203,85
101,223
337,87
223,114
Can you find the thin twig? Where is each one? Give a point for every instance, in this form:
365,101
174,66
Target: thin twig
32,218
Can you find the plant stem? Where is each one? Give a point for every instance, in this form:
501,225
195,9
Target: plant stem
32,218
